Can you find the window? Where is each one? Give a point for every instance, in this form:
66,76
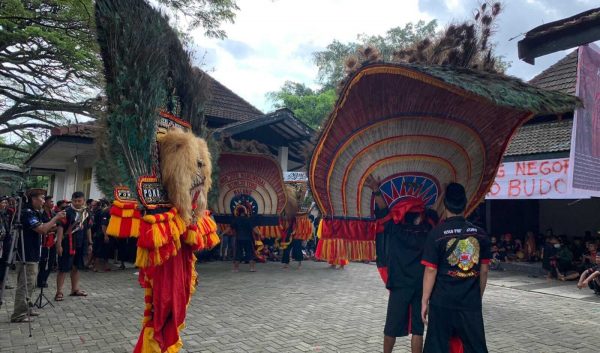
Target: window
86,183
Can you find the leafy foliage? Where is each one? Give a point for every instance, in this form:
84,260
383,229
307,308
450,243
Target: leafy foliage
313,106
310,106
330,61
49,65
145,68
18,153
208,14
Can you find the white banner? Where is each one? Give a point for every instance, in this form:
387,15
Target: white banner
295,177
540,179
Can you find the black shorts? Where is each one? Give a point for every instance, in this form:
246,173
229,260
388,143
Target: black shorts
245,246
404,314
445,323
67,262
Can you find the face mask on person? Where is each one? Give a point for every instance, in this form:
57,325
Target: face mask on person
557,246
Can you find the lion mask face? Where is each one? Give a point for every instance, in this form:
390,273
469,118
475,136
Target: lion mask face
186,172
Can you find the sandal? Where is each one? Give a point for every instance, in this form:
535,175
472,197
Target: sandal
59,297
78,293
22,319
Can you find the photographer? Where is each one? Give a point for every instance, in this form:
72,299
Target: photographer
5,238
33,229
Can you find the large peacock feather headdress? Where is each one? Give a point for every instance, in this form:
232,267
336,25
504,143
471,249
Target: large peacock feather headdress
150,85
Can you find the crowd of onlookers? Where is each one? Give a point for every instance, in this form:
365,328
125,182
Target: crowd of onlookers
63,237
562,257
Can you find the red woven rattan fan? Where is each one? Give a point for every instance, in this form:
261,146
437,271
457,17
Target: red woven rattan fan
251,181
418,128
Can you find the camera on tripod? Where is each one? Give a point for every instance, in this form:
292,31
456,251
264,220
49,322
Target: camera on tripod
27,227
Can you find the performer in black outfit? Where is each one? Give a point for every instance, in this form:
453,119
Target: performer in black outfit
399,244
457,256
294,246
243,225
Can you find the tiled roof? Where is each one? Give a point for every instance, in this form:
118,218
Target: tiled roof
76,130
11,168
541,138
561,76
225,104
586,17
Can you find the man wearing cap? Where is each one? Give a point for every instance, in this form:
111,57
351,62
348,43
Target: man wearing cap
456,258
33,229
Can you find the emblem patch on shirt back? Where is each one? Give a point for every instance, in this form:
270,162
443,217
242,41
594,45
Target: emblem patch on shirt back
465,256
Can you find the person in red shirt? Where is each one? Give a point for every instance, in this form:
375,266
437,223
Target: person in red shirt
48,254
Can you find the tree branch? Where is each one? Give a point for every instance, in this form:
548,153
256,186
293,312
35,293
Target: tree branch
14,148
12,128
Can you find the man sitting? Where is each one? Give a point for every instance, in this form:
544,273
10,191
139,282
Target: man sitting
591,278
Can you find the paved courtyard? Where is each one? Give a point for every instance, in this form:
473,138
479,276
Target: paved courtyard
315,309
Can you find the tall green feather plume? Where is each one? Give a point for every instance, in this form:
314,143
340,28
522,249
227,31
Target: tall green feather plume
145,64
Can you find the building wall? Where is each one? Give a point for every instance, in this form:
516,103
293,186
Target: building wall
95,193
572,220
58,189
66,183
70,182
514,216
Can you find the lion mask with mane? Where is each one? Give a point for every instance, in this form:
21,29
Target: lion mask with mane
186,172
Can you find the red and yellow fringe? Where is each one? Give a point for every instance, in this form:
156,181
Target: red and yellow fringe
162,230
159,238
303,229
341,241
269,232
203,234
124,220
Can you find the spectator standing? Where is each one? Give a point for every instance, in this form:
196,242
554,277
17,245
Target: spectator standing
48,254
102,246
74,242
5,238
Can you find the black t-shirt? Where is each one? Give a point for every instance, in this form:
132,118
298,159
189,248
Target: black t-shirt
4,225
104,218
578,251
457,249
243,227
77,222
550,253
31,219
400,248
100,219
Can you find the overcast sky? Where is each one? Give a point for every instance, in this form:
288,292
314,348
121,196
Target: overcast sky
272,41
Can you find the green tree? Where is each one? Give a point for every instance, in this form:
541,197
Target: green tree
21,151
330,62
310,106
313,106
49,65
208,14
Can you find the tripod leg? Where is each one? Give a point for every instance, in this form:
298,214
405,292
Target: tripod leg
39,302
9,261
26,279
